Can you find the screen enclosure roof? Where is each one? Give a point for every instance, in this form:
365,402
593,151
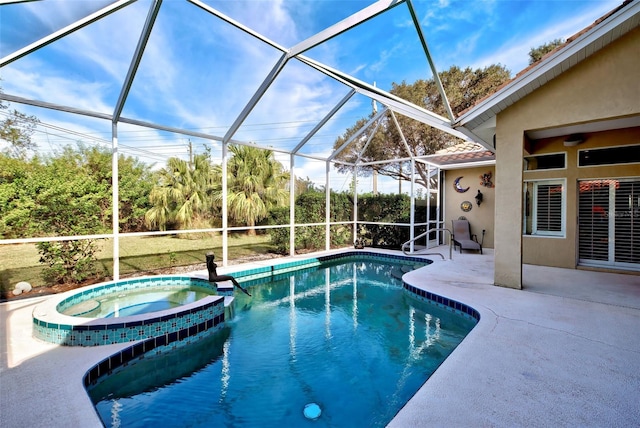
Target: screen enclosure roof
194,68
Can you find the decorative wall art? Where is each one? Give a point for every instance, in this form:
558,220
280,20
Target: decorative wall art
466,206
457,186
485,179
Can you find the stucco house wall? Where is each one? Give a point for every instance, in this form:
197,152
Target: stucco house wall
480,217
563,252
604,86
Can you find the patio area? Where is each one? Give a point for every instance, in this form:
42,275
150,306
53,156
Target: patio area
564,351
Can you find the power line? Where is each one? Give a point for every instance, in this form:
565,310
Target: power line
161,152
99,141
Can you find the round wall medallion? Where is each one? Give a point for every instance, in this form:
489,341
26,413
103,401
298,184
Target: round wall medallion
466,206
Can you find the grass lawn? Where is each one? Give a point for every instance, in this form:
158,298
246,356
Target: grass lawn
20,262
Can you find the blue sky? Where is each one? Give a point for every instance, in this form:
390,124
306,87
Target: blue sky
198,73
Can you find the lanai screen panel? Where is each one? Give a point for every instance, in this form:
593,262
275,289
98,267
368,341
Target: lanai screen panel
197,71
290,108
84,69
201,68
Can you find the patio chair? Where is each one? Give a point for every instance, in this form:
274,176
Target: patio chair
462,237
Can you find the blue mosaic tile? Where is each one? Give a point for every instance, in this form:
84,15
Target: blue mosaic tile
443,302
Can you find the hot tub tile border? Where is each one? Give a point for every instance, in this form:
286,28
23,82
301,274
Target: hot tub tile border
128,331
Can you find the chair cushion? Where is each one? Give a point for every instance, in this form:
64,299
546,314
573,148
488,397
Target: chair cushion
468,244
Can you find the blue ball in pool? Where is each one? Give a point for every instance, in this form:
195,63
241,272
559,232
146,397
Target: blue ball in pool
312,411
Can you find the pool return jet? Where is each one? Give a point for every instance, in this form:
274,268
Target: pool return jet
212,267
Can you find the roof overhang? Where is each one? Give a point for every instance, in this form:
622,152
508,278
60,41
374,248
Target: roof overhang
597,126
463,155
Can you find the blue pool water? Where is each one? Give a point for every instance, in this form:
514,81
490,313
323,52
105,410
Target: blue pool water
345,336
139,301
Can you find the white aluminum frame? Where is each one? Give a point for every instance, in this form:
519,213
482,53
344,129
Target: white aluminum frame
391,105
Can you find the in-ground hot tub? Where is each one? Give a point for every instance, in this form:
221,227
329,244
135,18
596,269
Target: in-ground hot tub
74,318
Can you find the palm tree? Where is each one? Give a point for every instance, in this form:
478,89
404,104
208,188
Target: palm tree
182,195
256,183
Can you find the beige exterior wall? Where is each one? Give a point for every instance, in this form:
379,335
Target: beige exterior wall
603,86
480,217
562,252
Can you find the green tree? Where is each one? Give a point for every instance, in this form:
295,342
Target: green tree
304,185
384,209
69,202
136,182
89,170
51,197
18,186
536,54
94,164
311,208
16,129
23,181
182,195
67,194
256,184
464,88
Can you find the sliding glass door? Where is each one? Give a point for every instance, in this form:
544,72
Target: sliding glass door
609,223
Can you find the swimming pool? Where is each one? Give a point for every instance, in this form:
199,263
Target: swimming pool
345,335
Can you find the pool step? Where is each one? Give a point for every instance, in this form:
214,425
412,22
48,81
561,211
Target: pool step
82,308
398,271
224,288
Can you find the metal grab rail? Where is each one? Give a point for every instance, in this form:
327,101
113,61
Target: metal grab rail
415,238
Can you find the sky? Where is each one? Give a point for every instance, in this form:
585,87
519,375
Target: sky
199,73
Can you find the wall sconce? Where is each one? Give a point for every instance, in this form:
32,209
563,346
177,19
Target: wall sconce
573,140
479,198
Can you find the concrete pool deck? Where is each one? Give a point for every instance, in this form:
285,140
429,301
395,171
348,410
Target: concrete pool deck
564,351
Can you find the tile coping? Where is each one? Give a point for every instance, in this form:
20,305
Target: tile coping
52,326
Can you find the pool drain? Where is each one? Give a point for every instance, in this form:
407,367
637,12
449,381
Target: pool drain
312,411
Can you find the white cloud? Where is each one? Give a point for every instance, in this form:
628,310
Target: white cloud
269,18
54,15
514,51
383,59
55,88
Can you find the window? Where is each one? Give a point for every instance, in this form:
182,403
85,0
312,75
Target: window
552,161
544,212
609,222
609,156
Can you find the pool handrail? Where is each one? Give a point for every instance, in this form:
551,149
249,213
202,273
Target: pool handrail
435,229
